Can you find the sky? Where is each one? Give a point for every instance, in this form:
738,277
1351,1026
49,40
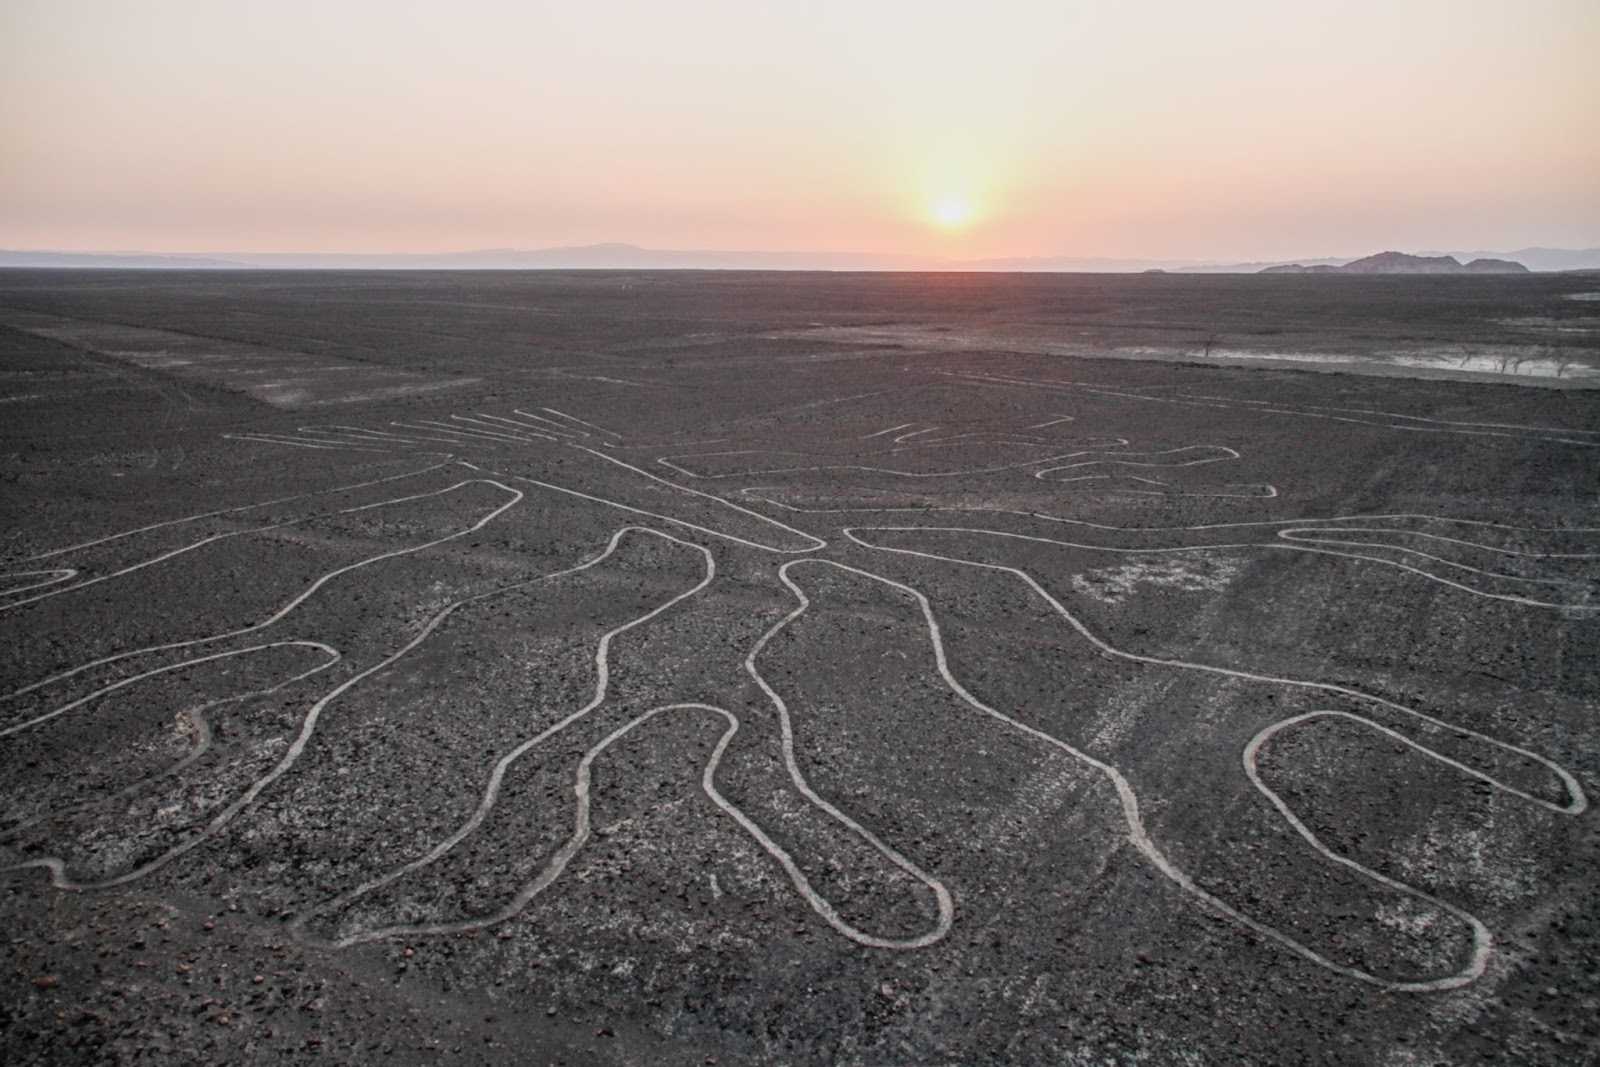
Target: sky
1217,130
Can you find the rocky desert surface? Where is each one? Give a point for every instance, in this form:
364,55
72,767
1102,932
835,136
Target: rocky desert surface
712,667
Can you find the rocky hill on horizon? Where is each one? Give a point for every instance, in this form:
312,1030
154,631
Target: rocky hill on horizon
1403,263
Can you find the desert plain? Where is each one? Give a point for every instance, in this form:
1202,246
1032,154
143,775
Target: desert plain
717,667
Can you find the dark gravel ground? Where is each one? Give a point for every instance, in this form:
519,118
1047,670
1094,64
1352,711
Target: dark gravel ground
472,714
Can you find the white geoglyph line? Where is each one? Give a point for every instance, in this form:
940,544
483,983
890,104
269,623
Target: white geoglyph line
519,433
345,437
914,433
160,558
1264,491
1399,415
1132,459
470,434
1483,942
1415,516
377,436
274,439
664,444
195,715
667,461
1052,422
58,875
350,437
1003,437
550,426
1139,838
183,549
230,511
816,542
51,577
580,422
302,596
1292,535
558,864
542,431
678,522
1295,546
786,726
892,429
1577,803
1052,384
1509,598
497,774
58,870
455,438
581,834
757,491
523,433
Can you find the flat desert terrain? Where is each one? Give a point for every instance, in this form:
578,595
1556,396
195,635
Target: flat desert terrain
690,668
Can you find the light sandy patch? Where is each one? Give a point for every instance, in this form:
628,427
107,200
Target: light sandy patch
293,379
1197,574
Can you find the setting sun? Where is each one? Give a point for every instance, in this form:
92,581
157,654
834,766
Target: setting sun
952,212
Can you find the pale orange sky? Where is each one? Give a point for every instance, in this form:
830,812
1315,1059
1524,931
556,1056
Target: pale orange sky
1157,129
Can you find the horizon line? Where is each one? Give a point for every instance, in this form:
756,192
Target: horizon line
593,256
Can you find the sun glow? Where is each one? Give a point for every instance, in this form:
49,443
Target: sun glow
952,212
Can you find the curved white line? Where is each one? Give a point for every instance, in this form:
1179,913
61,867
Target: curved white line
941,894
1576,805
183,549
1399,415
1280,411
553,869
1290,546
301,597
276,439
1293,543
313,715
547,426
474,436
540,431
1125,459
55,576
230,511
521,434
756,492
123,683
359,432
1138,836
581,833
196,714
574,418
1291,535
491,791
667,461
816,542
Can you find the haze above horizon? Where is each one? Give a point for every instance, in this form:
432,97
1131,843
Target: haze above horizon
1230,131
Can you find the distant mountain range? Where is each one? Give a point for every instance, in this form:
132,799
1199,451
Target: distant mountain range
1401,263
634,257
